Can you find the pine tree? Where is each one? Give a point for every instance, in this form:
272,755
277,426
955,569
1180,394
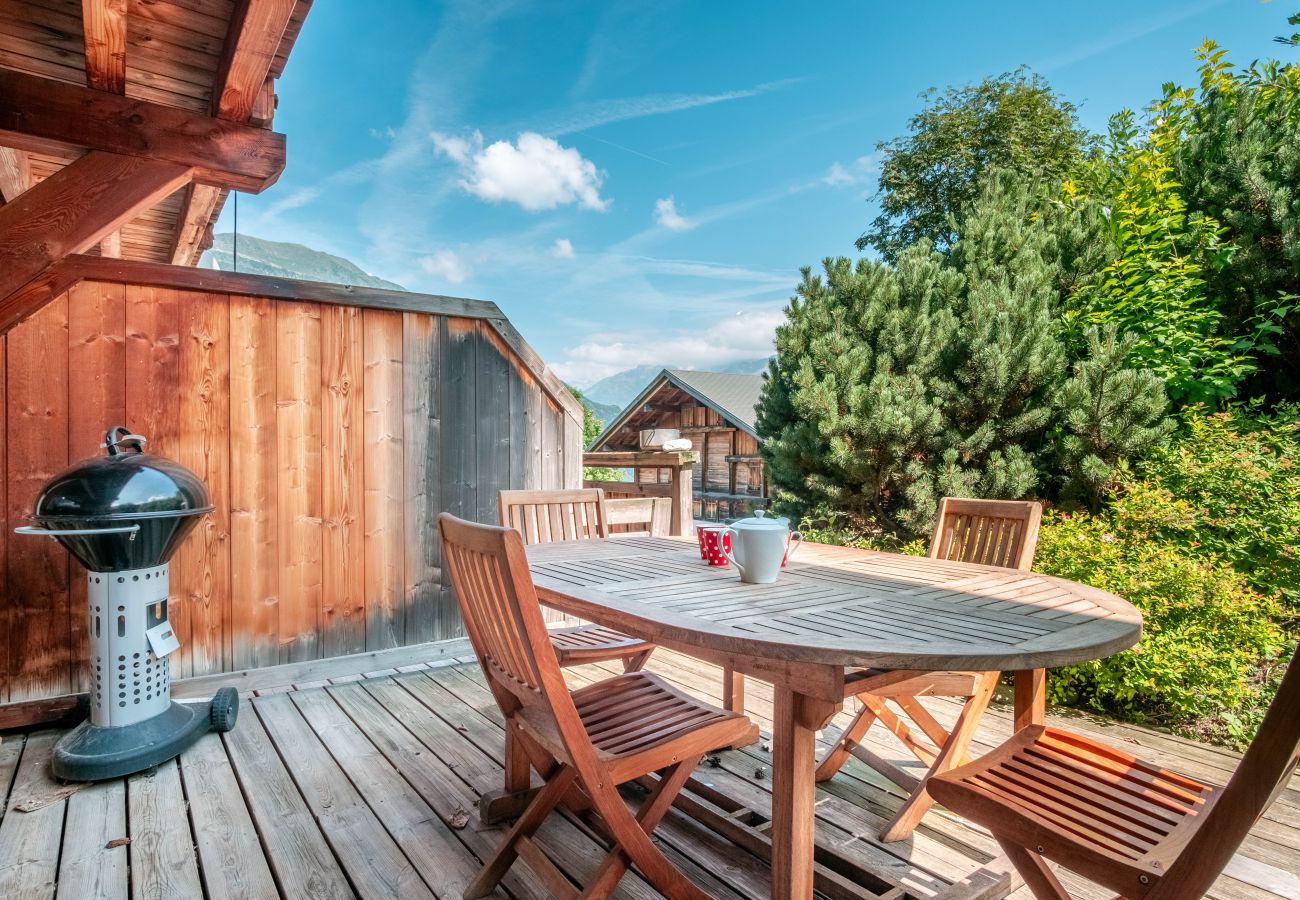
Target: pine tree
1109,413
895,385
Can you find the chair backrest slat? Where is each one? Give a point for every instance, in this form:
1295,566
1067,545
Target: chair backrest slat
546,516
989,532
1261,776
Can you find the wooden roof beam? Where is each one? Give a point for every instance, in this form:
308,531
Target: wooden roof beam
104,28
256,29
70,212
37,113
243,91
194,223
15,173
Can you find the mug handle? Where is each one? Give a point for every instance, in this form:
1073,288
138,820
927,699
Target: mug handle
796,541
722,546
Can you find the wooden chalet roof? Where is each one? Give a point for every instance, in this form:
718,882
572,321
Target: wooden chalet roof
733,396
214,58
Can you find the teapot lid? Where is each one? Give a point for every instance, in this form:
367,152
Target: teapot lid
760,520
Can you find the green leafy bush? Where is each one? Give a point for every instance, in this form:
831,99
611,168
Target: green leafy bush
1227,490
1207,636
1157,287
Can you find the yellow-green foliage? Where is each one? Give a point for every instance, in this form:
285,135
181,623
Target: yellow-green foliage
1206,633
1227,489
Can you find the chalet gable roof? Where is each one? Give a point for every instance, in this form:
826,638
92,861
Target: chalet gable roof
733,396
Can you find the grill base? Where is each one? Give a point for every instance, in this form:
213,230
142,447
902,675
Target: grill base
93,752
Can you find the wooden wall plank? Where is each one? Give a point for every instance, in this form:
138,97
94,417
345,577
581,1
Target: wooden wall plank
298,450
37,601
534,449
458,464
457,390
343,624
385,510
423,498
96,402
552,445
518,425
571,452
254,577
491,420
201,569
153,404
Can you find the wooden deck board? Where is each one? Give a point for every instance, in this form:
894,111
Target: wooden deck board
93,865
163,862
355,788
233,863
29,842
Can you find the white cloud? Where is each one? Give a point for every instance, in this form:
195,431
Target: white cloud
534,172
746,334
666,214
445,264
563,249
862,170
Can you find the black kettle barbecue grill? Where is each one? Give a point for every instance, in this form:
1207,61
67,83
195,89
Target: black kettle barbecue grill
122,516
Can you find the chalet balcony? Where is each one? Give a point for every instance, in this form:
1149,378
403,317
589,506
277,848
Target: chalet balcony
373,476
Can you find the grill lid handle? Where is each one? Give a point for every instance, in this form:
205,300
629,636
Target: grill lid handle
77,532
120,435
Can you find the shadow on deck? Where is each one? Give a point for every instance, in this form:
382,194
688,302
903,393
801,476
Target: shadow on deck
367,786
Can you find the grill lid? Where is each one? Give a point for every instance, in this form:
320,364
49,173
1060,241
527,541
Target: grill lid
127,483
126,510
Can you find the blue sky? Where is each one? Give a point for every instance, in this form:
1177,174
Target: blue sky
640,182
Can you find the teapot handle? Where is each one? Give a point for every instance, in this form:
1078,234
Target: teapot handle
796,541
722,545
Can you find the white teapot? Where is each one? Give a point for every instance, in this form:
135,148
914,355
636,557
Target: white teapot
760,547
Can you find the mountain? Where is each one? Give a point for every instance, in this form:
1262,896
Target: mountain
280,260
621,388
605,412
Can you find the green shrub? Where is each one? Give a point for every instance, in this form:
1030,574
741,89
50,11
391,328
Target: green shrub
1208,640
824,525
1228,489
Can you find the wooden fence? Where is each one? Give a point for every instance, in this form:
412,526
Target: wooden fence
676,485
331,426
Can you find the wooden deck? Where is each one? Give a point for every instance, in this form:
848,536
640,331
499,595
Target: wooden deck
366,786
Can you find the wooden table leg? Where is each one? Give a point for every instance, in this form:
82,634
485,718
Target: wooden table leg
794,788
1031,698
733,690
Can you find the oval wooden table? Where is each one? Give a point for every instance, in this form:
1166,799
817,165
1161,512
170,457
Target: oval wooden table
832,608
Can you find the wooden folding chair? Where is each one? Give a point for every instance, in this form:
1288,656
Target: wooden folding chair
583,743
989,532
545,516
1127,825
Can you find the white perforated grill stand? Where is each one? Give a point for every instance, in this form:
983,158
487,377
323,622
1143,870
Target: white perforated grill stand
130,682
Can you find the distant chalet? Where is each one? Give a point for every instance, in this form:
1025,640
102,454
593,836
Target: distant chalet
716,412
